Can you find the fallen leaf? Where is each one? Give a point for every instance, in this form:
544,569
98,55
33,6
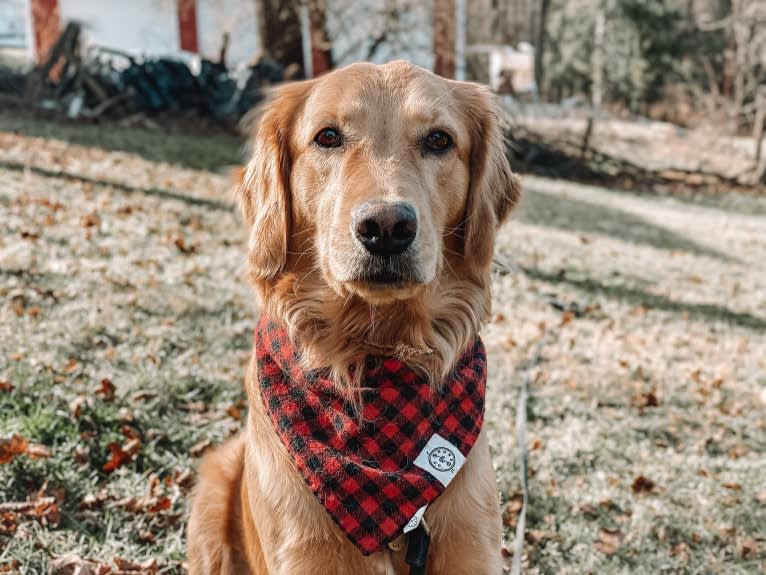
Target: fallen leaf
199,448
90,220
234,412
11,566
94,500
535,536
37,451
185,480
18,304
73,564
642,484
727,533
106,389
8,522
588,509
132,504
129,431
161,504
6,385
117,457
512,509
730,501
609,541
75,406
180,243
510,343
12,447
681,552
194,406
143,395
47,513
737,451
132,446
148,566
646,399
81,454
732,486
747,547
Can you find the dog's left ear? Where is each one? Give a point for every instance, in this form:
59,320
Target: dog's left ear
264,189
493,190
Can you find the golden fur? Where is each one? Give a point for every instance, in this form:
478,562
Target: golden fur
252,512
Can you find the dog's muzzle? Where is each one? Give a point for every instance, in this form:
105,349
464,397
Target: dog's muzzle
386,231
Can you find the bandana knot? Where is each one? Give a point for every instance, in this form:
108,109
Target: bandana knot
374,472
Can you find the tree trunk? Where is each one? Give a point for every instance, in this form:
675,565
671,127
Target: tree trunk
540,47
321,48
444,37
280,28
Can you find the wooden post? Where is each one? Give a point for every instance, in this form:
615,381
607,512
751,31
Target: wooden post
187,25
758,132
444,37
321,50
46,23
758,124
585,145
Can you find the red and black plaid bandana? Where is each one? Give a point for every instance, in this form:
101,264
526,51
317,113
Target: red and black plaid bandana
364,470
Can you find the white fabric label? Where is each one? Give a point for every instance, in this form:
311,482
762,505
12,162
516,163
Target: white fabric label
415,519
441,459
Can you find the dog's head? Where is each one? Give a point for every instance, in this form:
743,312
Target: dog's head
378,178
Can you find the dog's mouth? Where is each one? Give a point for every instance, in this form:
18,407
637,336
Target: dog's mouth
386,271
378,279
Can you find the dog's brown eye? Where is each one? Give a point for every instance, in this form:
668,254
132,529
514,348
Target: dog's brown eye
438,141
329,138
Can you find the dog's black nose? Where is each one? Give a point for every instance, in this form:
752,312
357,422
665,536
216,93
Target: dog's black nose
385,229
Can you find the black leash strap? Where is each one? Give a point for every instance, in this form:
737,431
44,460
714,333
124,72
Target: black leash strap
417,549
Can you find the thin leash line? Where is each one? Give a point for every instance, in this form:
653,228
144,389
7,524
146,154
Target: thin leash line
521,435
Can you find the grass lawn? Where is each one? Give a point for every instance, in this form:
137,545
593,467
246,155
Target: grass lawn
125,323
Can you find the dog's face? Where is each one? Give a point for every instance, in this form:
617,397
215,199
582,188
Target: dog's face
379,178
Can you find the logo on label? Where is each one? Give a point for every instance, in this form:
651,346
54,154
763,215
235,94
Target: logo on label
441,459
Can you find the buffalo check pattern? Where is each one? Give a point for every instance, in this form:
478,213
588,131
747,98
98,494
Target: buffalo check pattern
361,468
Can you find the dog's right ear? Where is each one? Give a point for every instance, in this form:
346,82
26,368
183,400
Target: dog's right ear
264,190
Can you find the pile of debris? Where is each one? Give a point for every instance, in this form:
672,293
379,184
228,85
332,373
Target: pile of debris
102,82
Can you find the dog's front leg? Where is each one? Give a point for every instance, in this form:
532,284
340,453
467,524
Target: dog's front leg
466,528
288,531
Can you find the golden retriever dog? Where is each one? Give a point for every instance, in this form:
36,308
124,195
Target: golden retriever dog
372,200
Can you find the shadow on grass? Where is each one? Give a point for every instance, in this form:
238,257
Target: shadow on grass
634,296
164,194
201,151
549,210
